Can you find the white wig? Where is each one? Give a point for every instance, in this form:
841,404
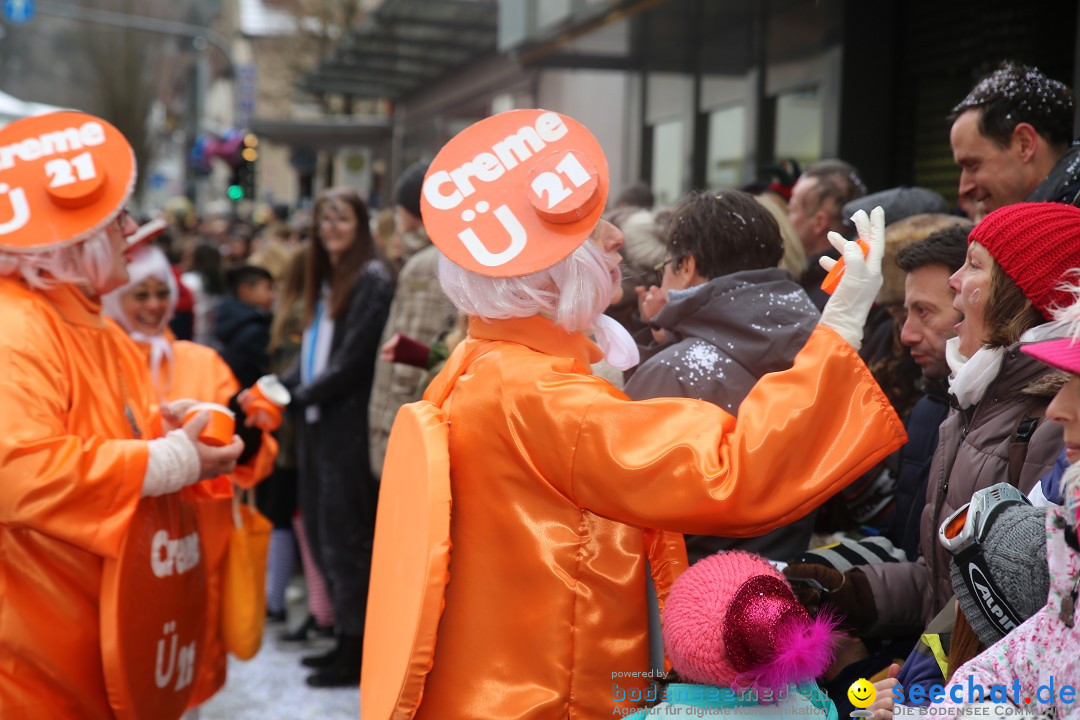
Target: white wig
1068,316
573,292
88,264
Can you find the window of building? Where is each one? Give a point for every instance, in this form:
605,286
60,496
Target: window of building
798,125
668,163
727,133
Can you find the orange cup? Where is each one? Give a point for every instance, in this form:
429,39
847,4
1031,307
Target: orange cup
267,397
833,278
221,426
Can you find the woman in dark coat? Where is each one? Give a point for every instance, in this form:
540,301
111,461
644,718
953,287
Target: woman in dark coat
347,296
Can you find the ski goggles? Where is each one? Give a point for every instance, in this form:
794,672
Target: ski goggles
963,534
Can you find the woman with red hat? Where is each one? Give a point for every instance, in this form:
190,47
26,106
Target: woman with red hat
528,597
96,540
1038,662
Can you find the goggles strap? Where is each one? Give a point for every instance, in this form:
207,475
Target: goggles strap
979,582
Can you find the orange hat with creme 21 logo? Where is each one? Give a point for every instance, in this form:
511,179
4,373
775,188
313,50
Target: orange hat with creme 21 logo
515,193
63,177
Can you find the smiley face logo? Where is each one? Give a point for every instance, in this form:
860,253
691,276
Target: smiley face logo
862,693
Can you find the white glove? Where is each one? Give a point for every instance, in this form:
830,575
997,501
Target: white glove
849,305
173,464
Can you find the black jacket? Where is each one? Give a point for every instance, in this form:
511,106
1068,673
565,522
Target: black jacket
242,333
914,469
1063,182
336,489
343,388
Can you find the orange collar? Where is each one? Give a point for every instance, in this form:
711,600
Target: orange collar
540,334
75,306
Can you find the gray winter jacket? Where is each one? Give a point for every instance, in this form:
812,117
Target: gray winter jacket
972,454
725,335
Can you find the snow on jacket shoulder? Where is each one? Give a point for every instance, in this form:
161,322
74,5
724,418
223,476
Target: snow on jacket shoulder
728,333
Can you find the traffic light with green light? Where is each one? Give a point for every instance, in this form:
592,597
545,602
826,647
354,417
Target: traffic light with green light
242,185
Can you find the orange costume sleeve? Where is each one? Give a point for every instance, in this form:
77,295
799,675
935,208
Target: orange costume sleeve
553,473
798,440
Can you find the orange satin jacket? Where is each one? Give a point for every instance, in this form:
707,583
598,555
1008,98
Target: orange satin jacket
554,473
199,372
71,475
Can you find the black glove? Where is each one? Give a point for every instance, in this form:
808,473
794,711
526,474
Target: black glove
252,436
848,594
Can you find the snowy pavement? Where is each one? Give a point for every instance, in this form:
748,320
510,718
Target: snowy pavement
271,686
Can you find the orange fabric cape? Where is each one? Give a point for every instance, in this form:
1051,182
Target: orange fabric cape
553,475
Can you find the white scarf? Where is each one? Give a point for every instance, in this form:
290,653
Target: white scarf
972,376
619,347
160,349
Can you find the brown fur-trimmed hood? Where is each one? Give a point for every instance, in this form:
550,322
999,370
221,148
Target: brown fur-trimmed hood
1047,385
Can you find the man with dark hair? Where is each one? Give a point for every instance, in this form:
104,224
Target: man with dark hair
928,264
930,318
1011,137
728,316
928,326
815,209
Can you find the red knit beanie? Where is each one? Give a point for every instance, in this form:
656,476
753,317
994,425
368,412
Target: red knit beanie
1035,244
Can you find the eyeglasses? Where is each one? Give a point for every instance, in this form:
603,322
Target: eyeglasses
122,218
659,268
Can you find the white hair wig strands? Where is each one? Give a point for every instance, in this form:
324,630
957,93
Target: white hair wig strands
87,264
1069,315
573,292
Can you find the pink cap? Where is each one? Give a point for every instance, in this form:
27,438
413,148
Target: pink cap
732,621
1063,353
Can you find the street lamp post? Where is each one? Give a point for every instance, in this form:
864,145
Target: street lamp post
201,36
138,22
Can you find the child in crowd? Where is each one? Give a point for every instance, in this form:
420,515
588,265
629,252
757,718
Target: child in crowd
242,324
733,628
1012,549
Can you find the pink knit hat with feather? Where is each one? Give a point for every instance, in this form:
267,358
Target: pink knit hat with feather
732,620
